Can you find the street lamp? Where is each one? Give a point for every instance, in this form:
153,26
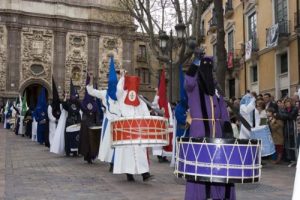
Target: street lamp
164,40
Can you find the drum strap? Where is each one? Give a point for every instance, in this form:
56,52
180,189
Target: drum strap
228,191
253,118
207,190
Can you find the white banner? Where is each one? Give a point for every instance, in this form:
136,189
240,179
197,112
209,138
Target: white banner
272,36
248,50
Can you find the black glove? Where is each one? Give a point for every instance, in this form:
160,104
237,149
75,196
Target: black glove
192,70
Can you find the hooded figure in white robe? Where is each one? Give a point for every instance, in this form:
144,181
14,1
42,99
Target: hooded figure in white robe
112,111
160,151
54,112
131,160
58,142
247,110
34,127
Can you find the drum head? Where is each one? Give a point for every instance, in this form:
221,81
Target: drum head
218,140
73,128
95,127
192,178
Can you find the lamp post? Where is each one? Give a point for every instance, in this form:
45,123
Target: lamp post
167,44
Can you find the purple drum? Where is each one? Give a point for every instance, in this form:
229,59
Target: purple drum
218,160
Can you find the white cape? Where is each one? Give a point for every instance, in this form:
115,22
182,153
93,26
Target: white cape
34,130
21,130
52,124
58,143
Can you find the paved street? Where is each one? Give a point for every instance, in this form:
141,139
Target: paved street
29,172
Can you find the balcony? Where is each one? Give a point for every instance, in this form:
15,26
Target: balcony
278,34
202,34
228,9
233,58
212,23
141,58
297,21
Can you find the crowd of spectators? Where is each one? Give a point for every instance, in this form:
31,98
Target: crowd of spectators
283,118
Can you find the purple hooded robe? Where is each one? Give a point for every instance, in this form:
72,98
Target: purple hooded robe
215,108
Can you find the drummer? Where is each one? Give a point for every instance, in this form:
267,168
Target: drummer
131,160
72,106
209,119
89,141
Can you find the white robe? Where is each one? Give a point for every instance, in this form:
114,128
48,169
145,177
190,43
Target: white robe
5,120
21,130
130,159
105,149
52,124
296,192
34,130
58,143
246,111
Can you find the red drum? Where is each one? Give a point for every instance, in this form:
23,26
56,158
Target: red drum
147,131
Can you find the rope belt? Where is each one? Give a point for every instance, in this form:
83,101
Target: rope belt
202,119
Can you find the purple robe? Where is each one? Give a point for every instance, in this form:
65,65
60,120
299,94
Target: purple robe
197,191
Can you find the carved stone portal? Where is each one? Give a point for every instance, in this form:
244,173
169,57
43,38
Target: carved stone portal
76,61
36,54
109,46
3,57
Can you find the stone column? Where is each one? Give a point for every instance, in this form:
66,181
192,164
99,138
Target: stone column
14,57
93,53
59,58
128,48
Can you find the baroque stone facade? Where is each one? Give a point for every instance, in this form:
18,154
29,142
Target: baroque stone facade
36,54
3,57
109,46
76,60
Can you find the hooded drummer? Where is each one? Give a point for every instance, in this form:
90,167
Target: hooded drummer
209,119
131,160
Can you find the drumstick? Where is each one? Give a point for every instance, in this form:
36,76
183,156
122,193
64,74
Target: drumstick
158,111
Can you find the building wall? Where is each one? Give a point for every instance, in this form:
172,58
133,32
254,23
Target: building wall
266,59
66,38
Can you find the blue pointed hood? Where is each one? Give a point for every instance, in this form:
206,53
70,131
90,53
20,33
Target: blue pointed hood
42,101
89,103
112,80
183,95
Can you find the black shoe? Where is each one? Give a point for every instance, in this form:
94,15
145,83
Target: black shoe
147,177
111,167
160,159
165,159
130,178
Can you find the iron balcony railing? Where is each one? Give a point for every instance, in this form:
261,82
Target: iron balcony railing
297,19
141,58
228,7
283,28
213,21
233,57
254,42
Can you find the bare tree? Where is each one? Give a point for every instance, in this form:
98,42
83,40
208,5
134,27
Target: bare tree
156,16
221,51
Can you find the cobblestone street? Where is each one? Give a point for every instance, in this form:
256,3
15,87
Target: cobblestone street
29,172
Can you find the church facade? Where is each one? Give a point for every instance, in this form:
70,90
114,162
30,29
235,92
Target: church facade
64,39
